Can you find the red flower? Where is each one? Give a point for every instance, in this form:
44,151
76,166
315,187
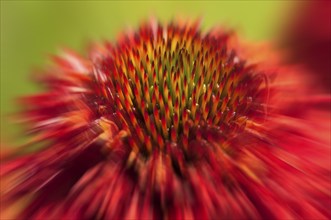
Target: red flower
307,38
172,123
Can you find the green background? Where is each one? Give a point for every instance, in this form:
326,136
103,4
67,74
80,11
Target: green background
31,30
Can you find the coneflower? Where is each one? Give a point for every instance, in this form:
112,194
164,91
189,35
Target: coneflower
170,123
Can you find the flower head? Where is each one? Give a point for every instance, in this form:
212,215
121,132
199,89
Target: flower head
171,123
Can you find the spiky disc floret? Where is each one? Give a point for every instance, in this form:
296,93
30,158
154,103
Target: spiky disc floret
170,123
170,85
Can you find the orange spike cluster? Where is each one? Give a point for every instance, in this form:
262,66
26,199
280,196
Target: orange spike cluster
169,80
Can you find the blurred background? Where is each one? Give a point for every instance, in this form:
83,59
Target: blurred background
32,30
